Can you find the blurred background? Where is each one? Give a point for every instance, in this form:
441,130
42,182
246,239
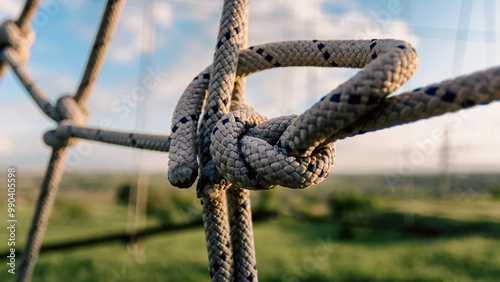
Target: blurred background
400,204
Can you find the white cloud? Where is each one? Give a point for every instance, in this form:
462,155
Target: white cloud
162,14
286,20
128,39
5,145
9,9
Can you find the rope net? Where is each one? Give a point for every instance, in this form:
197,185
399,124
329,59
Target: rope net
238,149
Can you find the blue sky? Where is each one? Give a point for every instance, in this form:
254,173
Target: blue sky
177,38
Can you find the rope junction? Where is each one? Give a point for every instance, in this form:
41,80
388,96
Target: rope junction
238,149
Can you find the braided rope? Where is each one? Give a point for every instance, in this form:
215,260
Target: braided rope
358,106
239,205
240,219
230,39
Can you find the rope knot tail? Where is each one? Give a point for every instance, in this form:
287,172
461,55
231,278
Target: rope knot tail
69,114
19,39
246,151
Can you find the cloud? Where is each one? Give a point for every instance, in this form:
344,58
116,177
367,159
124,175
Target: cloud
128,41
285,20
9,9
5,145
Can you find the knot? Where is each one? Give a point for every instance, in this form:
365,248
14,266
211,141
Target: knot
19,40
247,152
68,109
69,114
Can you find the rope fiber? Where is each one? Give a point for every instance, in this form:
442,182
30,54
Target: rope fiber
231,147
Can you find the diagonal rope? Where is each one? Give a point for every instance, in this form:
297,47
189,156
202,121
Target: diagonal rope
99,48
48,192
9,56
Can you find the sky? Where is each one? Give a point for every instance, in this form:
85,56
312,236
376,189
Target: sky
175,40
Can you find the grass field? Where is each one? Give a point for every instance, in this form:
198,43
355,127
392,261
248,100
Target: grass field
466,248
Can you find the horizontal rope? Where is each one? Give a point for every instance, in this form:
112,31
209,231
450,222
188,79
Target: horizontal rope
134,140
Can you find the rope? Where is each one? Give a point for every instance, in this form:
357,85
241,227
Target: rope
48,192
240,219
70,110
239,205
27,13
101,43
355,107
40,98
238,148
220,89
22,23
151,142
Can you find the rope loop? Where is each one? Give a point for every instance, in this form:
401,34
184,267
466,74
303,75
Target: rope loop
301,154
69,114
19,39
245,149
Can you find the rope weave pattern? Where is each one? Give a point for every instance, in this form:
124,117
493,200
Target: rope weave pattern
239,149
232,37
239,205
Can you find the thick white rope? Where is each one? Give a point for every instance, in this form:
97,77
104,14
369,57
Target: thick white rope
362,97
230,39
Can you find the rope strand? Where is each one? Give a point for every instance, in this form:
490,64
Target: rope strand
48,193
101,43
40,98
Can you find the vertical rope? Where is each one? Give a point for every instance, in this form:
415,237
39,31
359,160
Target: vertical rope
240,219
215,223
48,192
239,206
101,44
222,81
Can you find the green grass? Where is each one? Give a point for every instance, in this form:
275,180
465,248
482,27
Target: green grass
287,250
